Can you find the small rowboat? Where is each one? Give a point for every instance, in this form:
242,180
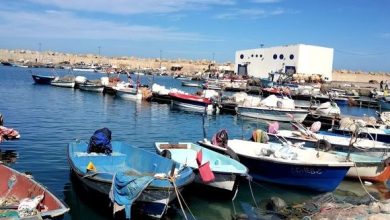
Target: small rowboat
21,197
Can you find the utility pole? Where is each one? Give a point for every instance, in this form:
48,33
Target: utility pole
99,50
39,49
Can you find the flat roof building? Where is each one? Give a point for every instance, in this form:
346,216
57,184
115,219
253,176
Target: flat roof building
298,58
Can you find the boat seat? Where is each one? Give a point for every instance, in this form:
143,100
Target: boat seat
173,146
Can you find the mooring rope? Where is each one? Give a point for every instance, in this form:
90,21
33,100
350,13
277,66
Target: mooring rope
253,196
361,182
179,198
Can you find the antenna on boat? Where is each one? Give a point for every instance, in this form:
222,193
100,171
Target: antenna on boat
204,123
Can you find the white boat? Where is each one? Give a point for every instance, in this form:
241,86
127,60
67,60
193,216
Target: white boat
84,69
128,93
91,87
190,84
225,169
64,82
272,108
340,143
272,113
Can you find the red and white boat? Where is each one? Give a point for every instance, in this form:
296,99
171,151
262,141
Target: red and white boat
21,197
191,102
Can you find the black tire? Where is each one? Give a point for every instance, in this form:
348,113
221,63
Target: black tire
323,145
166,154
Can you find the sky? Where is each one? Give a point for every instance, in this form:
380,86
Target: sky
358,30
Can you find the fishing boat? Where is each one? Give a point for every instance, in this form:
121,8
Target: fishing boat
385,103
272,113
377,134
272,108
128,93
313,137
369,168
189,84
225,169
67,82
41,79
191,102
21,197
91,87
279,163
97,171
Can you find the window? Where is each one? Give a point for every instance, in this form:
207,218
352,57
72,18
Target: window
257,55
261,55
275,56
281,56
242,56
291,56
252,55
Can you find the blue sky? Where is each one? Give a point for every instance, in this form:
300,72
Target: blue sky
358,30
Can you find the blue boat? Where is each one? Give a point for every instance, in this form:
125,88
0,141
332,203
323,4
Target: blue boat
305,168
224,168
40,79
97,171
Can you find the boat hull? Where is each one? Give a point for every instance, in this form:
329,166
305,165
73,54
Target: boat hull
26,187
272,114
63,84
129,94
46,80
317,178
133,162
91,88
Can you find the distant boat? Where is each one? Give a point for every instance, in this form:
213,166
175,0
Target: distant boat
40,79
134,163
128,93
16,187
85,69
272,113
191,102
91,87
68,82
225,169
190,84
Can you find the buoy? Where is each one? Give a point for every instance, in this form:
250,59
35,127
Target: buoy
91,167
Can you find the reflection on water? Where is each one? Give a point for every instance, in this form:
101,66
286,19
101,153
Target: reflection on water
8,156
50,117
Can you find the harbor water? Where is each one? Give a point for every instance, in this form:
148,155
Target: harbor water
49,117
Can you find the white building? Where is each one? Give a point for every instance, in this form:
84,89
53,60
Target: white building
299,58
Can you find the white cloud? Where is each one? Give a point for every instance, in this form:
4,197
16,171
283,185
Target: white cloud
65,25
126,7
266,1
249,13
385,35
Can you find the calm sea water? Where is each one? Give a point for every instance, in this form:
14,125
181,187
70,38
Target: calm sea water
49,117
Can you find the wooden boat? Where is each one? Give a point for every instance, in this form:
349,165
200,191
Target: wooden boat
91,87
224,168
128,93
41,79
132,162
190,102
67,82
305,168
272,113
16,189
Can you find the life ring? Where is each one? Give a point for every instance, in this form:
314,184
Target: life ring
323,145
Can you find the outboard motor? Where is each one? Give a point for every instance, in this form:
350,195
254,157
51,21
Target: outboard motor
220,138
